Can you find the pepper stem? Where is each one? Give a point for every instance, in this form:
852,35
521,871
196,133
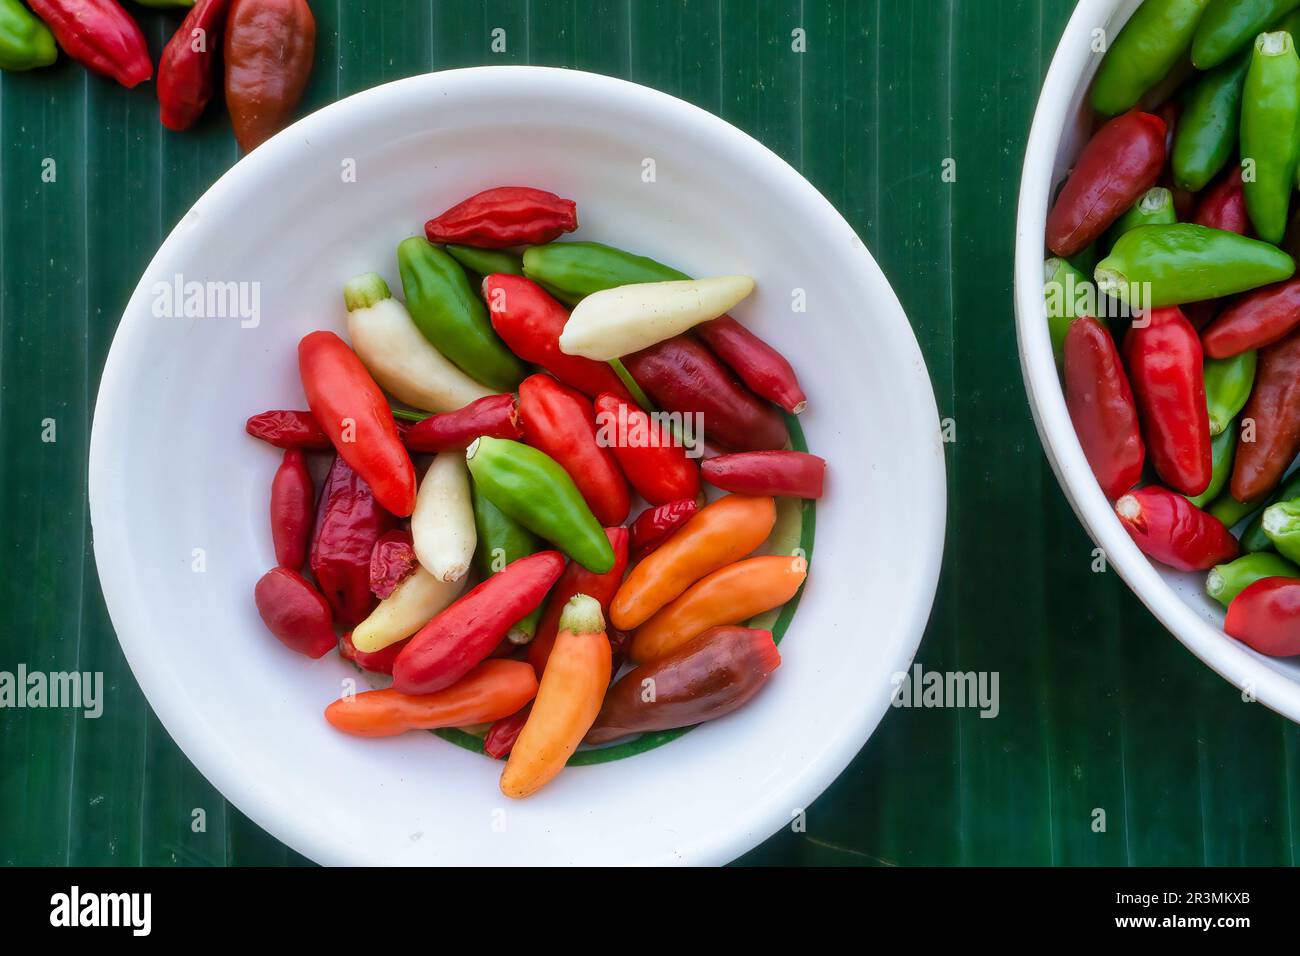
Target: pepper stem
633,388
363,291
1273,44
1109,282
582,616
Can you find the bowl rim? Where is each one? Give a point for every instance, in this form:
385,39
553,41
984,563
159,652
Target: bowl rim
195,737
1230,659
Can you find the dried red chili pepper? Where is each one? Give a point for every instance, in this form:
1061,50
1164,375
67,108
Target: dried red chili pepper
1254,320
501,736
1270,422
578,580
505,216
656,525
268,58
187,64
99,34
392,561
1121,162
1101,407
651,457
295,612
377,662
1224,205
1266,617
790,474
349,521
759,366
496,416
289,429
1173,531
1167,369
292,498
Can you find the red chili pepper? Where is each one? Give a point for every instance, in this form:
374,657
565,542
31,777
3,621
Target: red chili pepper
1121,162
99,34
501,736
392,561
505,216
463,635
1173,531
1270,422
651,457
187,64
759,366
268,57
292,498
656,525
496,416
354,413
1166,367
529,321
1266,617
1101,407
578,580
349,521
377,662
790,474
1254,320
681,375
560,421
1224,205
295,612
289,429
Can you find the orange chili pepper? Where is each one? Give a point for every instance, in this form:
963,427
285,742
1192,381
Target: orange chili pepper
568,700
729,596
492,690
722,533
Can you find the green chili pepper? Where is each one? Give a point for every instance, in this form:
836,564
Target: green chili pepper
1155,207
502,540
25,42
486,262
1270,133
1231,511
1230,25
1207,128
1151,43
581,268
445,308
1062,287
536,491
1223,448
1155,266
1281,522
1253,538
1227,386
1226,581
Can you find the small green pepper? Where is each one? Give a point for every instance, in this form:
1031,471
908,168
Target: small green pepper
581,268
1207,128
536,491
1254,539
502,540
1230,25
1223,448
1226,581
486,262
1151,43
1270,133
1063,287
1281,522
1155,207
1231,511
1227,387
25,42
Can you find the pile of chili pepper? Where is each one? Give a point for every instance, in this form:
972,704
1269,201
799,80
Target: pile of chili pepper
512,522
1173,304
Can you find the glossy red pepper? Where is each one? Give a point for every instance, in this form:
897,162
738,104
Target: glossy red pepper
295,612
349,521
1224,205
352,410
1270,422
188,62
268,55
789,474
1266,617
377,662
289,429
503,217
1254,320
653,460
578,580
759,366
560,421
466,633
529,321
1173,531
292,500
99,34
1167,370
392,561
496,416
656,525
1121,162
1101,405
501,736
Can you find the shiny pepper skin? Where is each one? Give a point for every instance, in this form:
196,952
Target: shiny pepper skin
187,64
268,58
99,34
496,416
1101,406
1224,205
1254,320
1172,530
295,612
1266,616
1272,416
292,500
503,217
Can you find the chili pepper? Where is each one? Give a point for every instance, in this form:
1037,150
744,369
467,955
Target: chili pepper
568,699
578,580
1253,539
25,42
530,322
681,375
1226,581
1063,288
501,542
581,268
1224,206
505,216
1229,26
656,525
1121,162
653,460
392,561
400,358
187,63
1155,207
1101,406
719,535
100,35
295,612
1255,320
533,489
1270,133
1223,448
292,497
268,58
1173,531
1270,422
449,314
1281,523
560,421
762,368
351,409
289,429
1266,617
789,474
486,262
378,662
1207,131
442,524
1232,512
501,736
1167,370
458,638
1156,266
706,678
1227,387
488,692
496,416
411,605
1150,44
349,521
727,596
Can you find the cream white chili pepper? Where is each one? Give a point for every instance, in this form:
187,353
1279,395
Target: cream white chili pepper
442,525
414,602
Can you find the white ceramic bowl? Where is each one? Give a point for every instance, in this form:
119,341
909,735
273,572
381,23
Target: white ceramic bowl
1178,599
171,470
